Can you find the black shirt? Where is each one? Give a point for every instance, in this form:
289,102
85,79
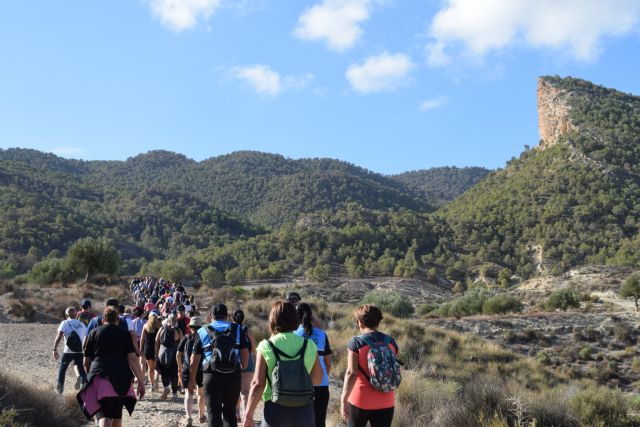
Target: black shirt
109,346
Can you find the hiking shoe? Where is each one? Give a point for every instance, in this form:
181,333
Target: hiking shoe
78,383
175,396
154,386
165,393
187,422
202,419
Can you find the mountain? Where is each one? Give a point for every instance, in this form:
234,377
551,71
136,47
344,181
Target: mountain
574,199
441,185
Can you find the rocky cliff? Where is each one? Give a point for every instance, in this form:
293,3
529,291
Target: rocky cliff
553,112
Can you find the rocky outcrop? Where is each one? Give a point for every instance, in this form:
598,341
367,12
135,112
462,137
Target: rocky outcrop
553,113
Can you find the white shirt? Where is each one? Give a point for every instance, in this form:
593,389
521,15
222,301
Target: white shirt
68,326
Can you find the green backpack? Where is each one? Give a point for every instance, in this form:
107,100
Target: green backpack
291,384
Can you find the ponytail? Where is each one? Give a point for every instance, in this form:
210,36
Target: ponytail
304,312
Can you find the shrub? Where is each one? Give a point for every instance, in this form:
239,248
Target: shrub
389,302
424,309
585,353
212,276
501,304
175,271
600,406
563,299
48,271
469,304
631,288
319,273
235,276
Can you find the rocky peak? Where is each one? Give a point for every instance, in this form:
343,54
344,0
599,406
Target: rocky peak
553,112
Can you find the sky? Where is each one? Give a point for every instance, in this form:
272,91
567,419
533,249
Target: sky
389,85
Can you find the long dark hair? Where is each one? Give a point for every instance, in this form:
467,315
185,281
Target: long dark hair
305,314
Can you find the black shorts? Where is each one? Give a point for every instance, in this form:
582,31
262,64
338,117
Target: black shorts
111,407
185,378
149,352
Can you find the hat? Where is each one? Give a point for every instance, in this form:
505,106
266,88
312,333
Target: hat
293,297
85,303
196,321
219,310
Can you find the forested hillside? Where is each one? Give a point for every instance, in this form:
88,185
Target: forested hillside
442,185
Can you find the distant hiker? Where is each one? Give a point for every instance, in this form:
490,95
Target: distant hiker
287,367
139,320
319,337
85,306
295,299
373,372
183,320
112,362
223,352
148,345
74,332
188,308
167,342
247,371
123,322
185,350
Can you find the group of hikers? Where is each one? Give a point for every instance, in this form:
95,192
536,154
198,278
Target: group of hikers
217,363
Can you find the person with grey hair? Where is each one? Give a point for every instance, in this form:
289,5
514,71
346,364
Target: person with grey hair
167,342
74,332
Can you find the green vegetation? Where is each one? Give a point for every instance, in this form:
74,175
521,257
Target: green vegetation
479,300
631,289
441,185
563,299
390,302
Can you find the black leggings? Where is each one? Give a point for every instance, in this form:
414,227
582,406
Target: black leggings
221,393
320,403
376,417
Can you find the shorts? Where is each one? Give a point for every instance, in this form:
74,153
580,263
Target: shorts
149,353
185,378
110,407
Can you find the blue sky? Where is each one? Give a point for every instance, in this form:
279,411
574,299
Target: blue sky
390,85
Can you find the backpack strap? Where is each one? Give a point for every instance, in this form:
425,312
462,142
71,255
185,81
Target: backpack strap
277,353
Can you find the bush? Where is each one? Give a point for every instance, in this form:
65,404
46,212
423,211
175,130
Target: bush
389,302
467,305
319,273
235,276
175,271
48,271
212,276
600,406
585,353
424,309
501,304
563,299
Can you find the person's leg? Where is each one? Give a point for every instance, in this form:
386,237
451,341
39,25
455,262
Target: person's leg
79,367
213,401
320,403
65,360
188,398
116,423
230,395
244,392
202,409
152,372
381,417
105,422
173,373
357,417
166,380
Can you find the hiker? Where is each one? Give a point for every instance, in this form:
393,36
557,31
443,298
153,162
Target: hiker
319,337
74,332
139,320
167,341
112,362
247,371
368,397
183,320
185,350
188,308
295,299
288,398
223,352
148,346
85,306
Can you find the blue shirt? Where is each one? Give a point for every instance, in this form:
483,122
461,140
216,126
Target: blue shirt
320,339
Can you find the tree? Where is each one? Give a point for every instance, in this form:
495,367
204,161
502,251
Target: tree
175,271
212,276
631,288
90,256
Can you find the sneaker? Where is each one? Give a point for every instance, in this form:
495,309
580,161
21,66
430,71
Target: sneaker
78,383
175,396
154,386
187,422
202,419
165,393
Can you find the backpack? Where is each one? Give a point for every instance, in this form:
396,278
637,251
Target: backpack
168,337
74,343
291,384
224,357
383,365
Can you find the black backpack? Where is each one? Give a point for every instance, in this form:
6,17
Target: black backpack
224,358
74,343
290,382
168,337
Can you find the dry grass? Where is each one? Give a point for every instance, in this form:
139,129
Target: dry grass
24,405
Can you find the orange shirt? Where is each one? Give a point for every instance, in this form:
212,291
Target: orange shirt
363,395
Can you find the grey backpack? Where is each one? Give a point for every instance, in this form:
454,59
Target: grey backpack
290,382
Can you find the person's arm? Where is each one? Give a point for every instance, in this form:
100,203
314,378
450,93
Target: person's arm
316,372
158,335
143,337
134,340
134,365
244,358
257,386
327,363
252,340
349,382
55,345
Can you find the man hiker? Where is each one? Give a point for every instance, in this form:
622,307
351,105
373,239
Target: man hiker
74,332
223,351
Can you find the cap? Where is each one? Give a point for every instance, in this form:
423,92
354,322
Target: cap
219,310
86,303
293,297
196,321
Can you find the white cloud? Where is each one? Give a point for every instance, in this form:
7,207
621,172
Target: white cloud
66,151
265,81
180,15
337,22
572,26
432,103
380,73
